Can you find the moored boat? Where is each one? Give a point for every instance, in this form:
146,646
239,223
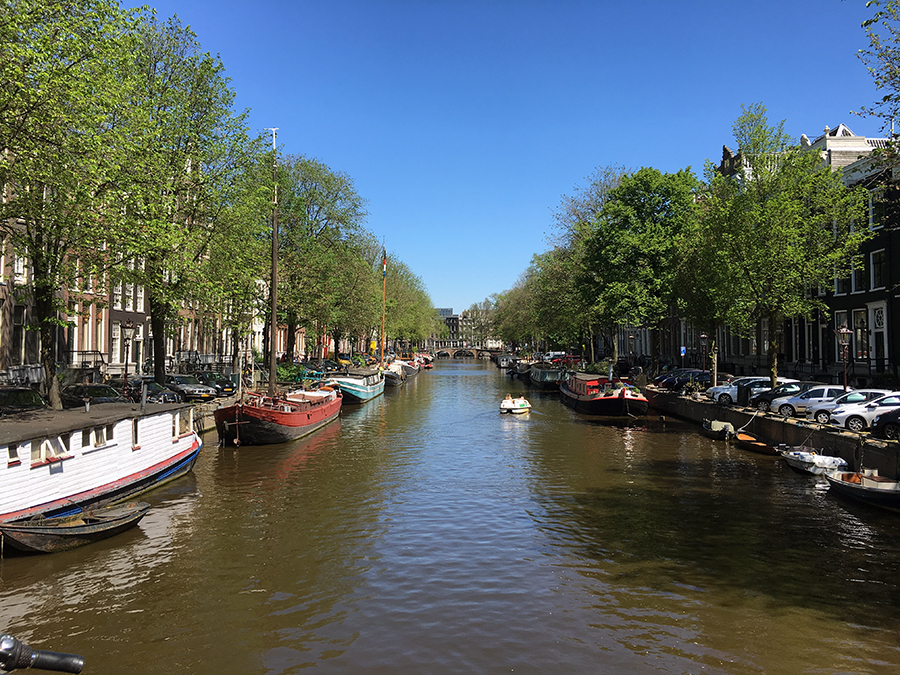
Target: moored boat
751,443
718,430
51,535
868,487
805,460
547,376
360,384
598,395
61,462
259,419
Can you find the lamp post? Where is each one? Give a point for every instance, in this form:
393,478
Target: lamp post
127,334
631,350
844,334
703,339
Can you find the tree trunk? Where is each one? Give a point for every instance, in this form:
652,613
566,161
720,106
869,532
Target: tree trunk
158,312
46,315
773,351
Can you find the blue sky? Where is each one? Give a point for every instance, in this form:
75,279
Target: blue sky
463,123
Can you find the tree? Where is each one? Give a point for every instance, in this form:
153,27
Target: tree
882,59
189,153
779,228
630,258
61,141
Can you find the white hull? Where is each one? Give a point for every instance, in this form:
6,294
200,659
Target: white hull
54,462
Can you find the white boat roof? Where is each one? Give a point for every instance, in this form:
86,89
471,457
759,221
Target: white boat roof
46,423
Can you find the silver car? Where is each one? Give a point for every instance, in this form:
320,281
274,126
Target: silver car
821,412
858,416
726,394
788,406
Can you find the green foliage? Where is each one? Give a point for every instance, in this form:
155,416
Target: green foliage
774,231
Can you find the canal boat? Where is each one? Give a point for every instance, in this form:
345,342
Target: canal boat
718,430
52,535
63,462
806,460
547,376
514,406
599,395
260,419
866,486
394,376
360,384
751,443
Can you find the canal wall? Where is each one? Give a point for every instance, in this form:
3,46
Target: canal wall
855,448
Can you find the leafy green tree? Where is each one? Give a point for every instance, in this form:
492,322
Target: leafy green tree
779,227
61,141
882,58
189,151
630,258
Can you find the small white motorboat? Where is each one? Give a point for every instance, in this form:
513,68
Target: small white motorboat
516,406
806,461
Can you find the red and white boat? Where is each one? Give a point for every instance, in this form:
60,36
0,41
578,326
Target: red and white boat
61,462
596,395
260,419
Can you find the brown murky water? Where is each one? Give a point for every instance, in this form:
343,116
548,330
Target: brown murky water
425,533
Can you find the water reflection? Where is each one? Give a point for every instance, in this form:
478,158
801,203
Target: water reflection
425,532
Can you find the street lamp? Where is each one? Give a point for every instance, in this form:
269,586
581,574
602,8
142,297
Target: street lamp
127,334
631,349
844,334
703,338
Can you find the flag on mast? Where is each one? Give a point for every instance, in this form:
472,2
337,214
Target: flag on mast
384,262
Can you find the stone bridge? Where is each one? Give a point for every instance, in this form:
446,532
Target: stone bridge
464,353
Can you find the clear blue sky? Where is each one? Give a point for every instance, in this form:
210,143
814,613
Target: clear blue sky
464,122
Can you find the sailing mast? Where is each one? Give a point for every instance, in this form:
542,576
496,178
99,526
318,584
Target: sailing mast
383,296
273,293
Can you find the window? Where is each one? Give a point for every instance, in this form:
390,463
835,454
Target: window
861,333
13,452
117,296
115,347
878,265
876,209
860,279
139,303
17,351
18,269
135,436
841,286
129,297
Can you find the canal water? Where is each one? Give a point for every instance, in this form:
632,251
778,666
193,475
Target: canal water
424,532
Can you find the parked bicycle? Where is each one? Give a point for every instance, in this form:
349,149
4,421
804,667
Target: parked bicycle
16,654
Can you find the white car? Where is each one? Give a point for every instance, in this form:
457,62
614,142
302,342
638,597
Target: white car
726,394
821,412
788,406
858,416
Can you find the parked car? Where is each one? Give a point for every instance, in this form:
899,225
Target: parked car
788,406
887,425
20,399
325,366
74,395
858,416
763,400
190,388
677,372
156,393
223,385
726,393
821,412
344,359
701,377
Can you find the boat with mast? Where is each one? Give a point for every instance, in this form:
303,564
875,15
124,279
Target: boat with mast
276,417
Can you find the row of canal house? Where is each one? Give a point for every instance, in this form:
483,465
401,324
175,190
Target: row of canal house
108,333
866,303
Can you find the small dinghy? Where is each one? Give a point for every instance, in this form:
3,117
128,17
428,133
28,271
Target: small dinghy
805,460
751,443
720,431
515,406
51,535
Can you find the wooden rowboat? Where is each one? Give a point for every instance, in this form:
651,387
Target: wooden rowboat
51,535
751,443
